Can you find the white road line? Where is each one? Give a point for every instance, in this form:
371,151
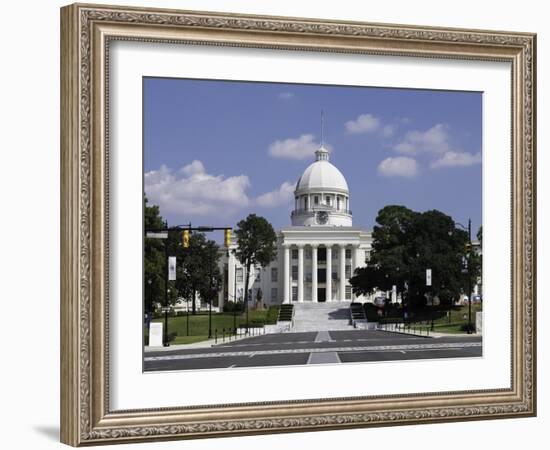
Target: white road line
323,358
378,348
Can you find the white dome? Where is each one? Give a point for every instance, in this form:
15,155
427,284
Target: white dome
322,176
321,197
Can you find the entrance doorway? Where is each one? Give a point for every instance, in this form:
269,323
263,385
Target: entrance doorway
321,294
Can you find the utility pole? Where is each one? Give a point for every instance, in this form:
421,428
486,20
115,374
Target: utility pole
165,338
469,276
235,299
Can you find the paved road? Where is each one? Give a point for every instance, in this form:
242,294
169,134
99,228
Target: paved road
324,347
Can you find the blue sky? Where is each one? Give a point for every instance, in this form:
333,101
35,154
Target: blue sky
215,151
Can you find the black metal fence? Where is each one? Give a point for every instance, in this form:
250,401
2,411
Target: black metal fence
415,328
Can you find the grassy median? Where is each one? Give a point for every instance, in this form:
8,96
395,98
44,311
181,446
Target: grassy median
198,323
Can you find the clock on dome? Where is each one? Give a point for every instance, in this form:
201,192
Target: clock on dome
322,217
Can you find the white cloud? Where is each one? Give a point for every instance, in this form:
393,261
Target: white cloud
399,166
191,190
295,148
433,140
456,159
285,96
195,168
365,123
278,197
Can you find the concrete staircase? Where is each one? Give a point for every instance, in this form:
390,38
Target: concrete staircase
330,316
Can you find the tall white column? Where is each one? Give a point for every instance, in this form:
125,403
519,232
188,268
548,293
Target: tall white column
329,273
300,273
286,278
314,273
342,273
354,258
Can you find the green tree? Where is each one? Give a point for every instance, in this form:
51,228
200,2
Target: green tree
153,264
256,245
389,263
436,243
198,270
405,244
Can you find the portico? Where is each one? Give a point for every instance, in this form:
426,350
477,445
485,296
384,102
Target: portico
316,269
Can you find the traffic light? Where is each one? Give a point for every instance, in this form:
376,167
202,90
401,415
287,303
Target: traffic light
185,238
227,237
468,247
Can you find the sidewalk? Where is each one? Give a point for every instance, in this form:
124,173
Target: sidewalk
202,344
433,334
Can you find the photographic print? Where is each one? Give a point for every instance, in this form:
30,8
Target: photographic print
296,224
246,199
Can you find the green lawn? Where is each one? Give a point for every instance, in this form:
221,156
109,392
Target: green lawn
442,324
198,323
188,339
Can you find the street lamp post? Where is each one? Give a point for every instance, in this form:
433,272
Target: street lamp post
165,337
247,297
469,268
469,276
235,299
210,300
431,296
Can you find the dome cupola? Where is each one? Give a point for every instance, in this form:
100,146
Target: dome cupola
321,195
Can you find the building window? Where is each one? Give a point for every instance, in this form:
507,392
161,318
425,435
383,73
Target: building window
338,203
274,275
294,293
316,199
305,202
348,292
334,275
258,277
294,253
348,253
294,273
322,254
327,200
239,275
274,295
308,253
348,272
367,256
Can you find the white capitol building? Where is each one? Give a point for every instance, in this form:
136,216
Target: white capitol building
316,255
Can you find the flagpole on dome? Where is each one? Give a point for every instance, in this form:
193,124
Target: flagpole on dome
322,153
322,128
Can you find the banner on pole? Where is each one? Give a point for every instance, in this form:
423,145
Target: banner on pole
171,268
428,277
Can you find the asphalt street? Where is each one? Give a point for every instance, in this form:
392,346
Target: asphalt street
324,347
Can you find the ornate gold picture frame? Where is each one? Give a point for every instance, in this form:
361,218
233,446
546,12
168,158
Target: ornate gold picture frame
87,31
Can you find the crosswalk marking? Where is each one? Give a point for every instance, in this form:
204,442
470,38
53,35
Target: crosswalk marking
376,348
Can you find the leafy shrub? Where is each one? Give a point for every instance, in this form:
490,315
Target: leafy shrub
233,306
371,311
272,314
468,326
